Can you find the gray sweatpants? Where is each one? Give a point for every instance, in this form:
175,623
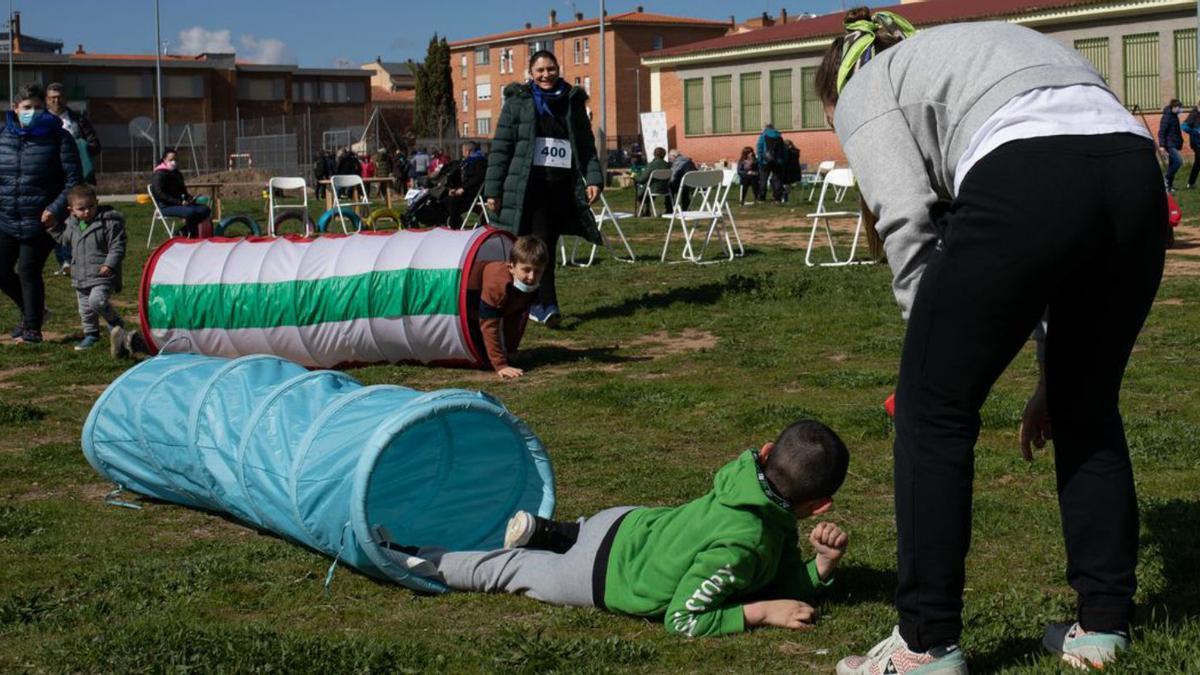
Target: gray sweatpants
560,579
93,304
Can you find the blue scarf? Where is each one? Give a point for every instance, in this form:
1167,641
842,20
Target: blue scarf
542,98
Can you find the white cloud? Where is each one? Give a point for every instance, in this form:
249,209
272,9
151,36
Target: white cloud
265,50
197,40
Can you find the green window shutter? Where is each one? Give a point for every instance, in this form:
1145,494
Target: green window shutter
750,87
1139,61
812,112
781,98
693,107
1185,66
722,104
1096,51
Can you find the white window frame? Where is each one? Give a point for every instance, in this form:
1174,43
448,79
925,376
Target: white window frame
483,56
463,65
465,98
587,51
483,91
577,52
483,126
587,85
466,129
506,60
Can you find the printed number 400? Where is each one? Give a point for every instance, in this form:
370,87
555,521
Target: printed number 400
556,153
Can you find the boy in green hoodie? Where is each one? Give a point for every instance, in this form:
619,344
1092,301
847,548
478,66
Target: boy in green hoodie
695,565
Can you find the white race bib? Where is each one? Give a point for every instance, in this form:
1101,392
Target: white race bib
554,153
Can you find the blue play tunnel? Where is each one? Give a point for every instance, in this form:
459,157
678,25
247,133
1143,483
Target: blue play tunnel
354,472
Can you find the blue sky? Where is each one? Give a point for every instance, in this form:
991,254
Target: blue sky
308,32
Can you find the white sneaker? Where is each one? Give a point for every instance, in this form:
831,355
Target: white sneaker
520,529
893,657
1082,649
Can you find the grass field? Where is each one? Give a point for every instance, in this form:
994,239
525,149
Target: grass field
659,375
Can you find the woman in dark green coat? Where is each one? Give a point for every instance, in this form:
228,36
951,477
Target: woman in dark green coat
543,172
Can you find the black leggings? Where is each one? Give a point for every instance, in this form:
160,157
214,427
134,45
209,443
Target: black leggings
547,206
21,263
1076,224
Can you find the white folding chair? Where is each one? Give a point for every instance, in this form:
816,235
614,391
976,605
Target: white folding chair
649,195
479,204
352,183
838,179
709,187
822,169
287,183
604,215
158,217
731,179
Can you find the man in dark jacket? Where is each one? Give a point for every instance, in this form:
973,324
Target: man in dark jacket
322,169
772,156
81,129
348,165
1170,140
39,162
464,182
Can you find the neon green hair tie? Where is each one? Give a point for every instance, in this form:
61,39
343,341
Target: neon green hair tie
860,36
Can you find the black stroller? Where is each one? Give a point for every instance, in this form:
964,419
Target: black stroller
431,207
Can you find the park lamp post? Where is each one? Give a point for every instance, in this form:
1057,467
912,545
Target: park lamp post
158,106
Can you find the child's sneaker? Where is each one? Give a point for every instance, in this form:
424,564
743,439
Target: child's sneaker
553,316
87,342
893,656
1083,649
526,530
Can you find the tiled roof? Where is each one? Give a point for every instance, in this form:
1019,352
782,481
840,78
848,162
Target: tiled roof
919,13
623,18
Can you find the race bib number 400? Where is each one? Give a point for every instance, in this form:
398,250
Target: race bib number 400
554,153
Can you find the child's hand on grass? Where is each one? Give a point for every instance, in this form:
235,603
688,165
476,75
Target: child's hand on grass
829,543
780,613
509,373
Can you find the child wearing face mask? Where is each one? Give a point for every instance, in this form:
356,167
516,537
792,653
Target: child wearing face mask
499,295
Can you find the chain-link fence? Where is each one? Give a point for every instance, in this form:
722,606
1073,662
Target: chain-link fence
284,145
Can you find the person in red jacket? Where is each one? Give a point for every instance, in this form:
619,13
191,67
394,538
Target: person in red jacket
499,295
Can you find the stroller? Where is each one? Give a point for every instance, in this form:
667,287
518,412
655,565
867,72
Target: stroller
430,207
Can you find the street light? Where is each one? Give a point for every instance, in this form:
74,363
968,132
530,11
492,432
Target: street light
158,108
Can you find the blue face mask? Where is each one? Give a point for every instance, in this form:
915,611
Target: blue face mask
26,116
524,287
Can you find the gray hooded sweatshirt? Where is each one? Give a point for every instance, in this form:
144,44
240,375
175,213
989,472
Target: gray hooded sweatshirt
908,115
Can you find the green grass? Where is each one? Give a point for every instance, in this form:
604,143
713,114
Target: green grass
660,374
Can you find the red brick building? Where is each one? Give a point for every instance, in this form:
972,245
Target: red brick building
719,93
483,66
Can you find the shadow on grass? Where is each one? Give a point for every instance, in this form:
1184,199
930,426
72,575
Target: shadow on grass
860,585
1171,529
701,294
556,355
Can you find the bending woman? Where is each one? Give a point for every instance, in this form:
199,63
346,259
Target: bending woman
1008,182
38,164
172,196
543,155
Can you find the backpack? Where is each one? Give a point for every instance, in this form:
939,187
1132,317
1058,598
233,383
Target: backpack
776,151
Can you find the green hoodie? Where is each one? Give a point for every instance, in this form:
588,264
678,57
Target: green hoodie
693,564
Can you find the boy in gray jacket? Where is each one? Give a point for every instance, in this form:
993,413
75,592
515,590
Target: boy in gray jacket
96,236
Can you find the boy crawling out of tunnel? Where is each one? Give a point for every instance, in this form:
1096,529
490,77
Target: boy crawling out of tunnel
716,565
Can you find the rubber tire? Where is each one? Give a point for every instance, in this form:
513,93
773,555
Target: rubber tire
328,216
384,214
241,218
298,214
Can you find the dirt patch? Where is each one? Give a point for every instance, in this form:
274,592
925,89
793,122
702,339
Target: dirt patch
792,231
1172,302
1182,268
8,374
657,345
